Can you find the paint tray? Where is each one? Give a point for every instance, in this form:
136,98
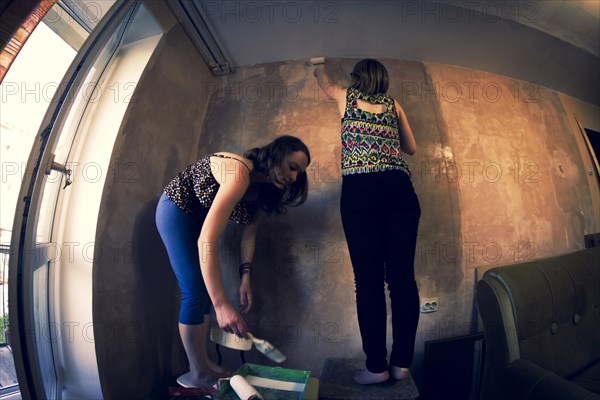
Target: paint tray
273,383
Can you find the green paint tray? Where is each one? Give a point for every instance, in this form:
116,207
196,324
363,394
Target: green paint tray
273,383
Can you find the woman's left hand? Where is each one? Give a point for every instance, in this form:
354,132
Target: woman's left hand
245,294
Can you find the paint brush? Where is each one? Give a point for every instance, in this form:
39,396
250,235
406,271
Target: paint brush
267,349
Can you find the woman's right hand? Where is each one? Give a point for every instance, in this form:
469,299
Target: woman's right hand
230,320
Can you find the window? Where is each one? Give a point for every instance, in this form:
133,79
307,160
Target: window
54,287
26,93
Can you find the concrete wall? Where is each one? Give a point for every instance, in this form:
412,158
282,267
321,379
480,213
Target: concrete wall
498,172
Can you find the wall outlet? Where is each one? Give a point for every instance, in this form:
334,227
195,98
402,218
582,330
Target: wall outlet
430,305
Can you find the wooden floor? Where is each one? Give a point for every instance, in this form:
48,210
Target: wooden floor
8,376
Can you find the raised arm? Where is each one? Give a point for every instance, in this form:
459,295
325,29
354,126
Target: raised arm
407,139
233,185
331,90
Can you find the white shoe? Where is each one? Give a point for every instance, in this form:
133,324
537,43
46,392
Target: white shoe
182,381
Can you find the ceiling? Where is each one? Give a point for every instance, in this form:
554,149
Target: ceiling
551,43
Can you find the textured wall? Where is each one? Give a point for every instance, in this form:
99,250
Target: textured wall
500,179
521,182
303,280
521,168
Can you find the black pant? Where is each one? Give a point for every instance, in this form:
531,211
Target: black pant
380,214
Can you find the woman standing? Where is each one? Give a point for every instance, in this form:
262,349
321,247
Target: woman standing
380,215
191,216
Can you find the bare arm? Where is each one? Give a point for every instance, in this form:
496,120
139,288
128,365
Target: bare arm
247,246
233,185
248,240
331,90
407,139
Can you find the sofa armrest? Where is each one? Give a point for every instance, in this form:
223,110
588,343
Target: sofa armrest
526,380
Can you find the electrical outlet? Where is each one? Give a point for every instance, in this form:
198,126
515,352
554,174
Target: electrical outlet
430,305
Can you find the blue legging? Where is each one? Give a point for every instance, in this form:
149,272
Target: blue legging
179,232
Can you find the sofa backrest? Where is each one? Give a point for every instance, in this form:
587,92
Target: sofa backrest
546,311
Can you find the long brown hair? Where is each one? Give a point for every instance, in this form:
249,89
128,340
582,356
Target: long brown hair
265,158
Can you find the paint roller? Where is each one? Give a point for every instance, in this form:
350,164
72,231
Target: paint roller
243,389
317,61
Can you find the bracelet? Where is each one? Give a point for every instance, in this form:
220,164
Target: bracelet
245,268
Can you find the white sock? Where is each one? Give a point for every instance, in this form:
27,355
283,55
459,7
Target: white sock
400,373
365,377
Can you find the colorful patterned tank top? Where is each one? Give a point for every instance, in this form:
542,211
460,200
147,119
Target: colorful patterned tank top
370,141
195,188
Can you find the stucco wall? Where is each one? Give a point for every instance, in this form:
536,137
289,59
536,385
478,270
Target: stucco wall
500,180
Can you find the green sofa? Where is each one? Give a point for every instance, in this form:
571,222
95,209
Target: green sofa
542,328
